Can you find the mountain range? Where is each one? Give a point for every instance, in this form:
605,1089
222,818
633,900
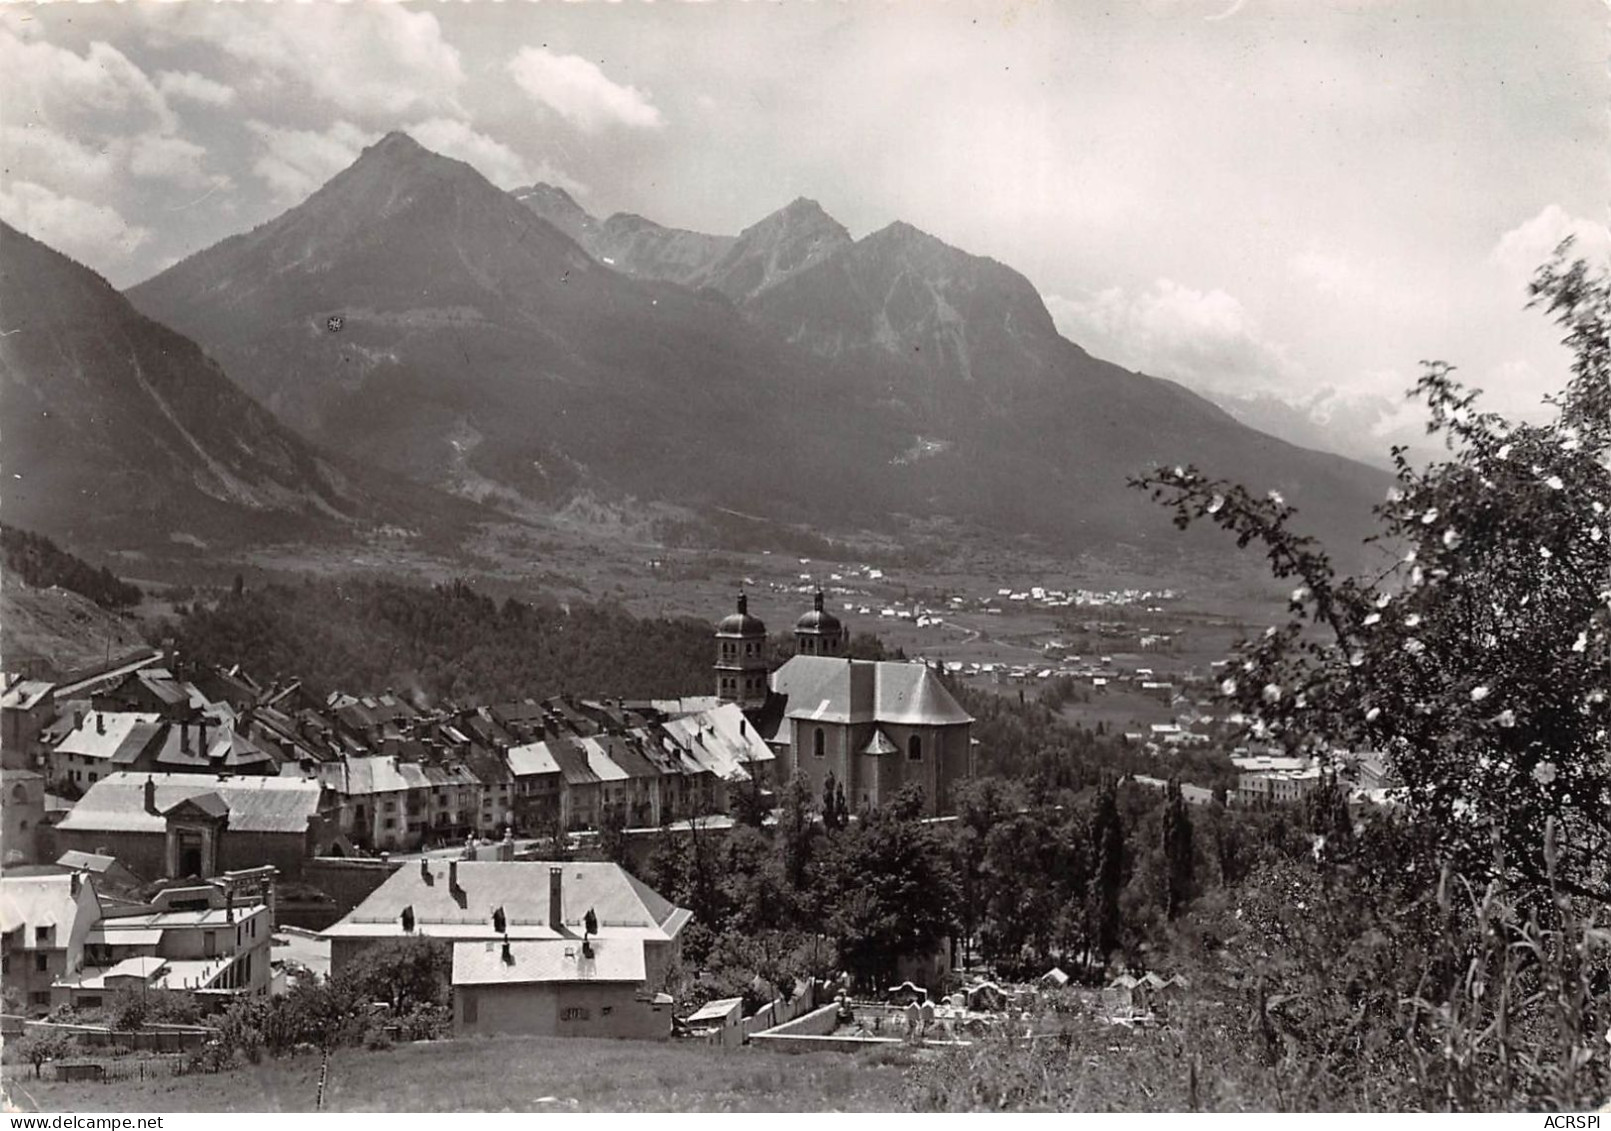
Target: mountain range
512,348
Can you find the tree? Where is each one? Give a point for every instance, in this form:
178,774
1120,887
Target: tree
1179,859
888,889
406,974
1107,879
1478,661
612,833
38,1046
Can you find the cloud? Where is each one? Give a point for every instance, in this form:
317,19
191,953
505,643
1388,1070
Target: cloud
1526,247
1205,338
578,91
371,61
90,233
173,159
97,94
491,158
196,88
295,162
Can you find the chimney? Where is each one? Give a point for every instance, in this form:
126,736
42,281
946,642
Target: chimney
150,795
184,737
425,869
229,905
100,722
72,885
556,909
499,921
453,875
408,919
508,954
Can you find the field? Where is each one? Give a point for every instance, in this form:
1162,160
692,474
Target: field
507,1074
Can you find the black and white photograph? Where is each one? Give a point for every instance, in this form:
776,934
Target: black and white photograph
868,556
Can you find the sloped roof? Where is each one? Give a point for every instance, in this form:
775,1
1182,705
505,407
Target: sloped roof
547,960
719,1010
86,861
40,901
377,774
624,905
265,803
831,689
86,741
25,694
532,759
880,744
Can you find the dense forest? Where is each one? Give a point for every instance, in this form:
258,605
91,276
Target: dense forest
442,642
42,564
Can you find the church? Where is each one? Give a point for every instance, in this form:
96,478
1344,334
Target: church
875,725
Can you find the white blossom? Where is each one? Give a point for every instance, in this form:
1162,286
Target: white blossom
1478,694
1506,718
1581,642
1372,619
1228,687
1373,714
1544,552
1555,482
1451,538
1272,693
1276,498
1429,517
1504,451
1215,504
1301,593
1412,620
1545,772
1356,658
1383,600
1414,647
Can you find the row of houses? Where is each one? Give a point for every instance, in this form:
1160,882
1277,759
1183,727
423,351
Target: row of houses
373,774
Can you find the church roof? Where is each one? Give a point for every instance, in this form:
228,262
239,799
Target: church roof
831,689
819,621
741,623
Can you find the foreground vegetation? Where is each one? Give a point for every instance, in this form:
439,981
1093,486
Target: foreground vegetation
507,1074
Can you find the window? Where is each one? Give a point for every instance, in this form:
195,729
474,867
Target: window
42,962
575,1013
914,749
819,743
606,1011
41,936
391,822
95,777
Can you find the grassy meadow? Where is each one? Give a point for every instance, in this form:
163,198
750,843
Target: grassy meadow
505,1074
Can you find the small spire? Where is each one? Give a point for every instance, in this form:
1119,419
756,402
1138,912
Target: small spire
816,601
743,602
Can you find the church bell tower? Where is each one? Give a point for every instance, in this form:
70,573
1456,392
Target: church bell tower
741,658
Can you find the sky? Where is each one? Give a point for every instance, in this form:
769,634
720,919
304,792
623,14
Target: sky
1301,198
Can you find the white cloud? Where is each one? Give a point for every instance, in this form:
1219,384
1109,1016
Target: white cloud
159,157
90,233
43,155
295,162
370,61
100,93
578,91
197,88
1205,338
491,158
1526,247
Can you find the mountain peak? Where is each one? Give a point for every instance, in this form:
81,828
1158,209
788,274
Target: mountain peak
801,216
397,144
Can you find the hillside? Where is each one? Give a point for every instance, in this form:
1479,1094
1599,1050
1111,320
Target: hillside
121,432
787,371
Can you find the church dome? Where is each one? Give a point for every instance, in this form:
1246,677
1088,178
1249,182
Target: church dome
819,620
741,623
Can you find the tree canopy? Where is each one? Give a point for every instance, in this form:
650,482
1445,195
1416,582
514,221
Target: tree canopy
1479,658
